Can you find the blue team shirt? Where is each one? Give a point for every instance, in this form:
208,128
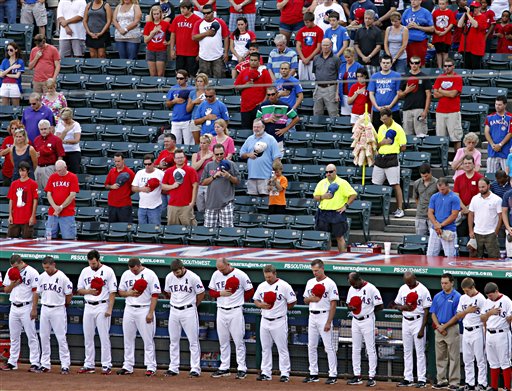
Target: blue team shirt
507,203
443,206
291,99
337,37
179,111
444,305
422,17
218,108
499,127
261,167
385,88
6,64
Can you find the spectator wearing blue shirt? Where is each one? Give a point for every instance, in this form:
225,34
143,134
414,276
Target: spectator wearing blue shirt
337,34
347,77
288,87
420,23
261,151
443,209
282,54
177,99
502,184
11,71
209,111
383,88
498,133
447,336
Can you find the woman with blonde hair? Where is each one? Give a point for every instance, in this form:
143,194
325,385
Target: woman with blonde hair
69,131
199,160
347,78
222,137
56,101
196,97
5,151
156,36
127,35
395,43
22,151
470,142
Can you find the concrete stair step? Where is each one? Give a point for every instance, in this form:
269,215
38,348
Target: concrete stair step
402,229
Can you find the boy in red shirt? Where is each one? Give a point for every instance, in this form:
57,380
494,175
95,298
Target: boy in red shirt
358,96
504,34
308,45
444,21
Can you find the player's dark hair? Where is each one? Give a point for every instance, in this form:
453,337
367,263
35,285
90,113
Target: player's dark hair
486,180
490,287
269,269
425,168
386,57
467,283
334,14
179,150
176,265
217,146
15,259
255,54
48,260
237,33
149,156
317,262
386,112
93,254
443,181
469,157
500,174
309,17
119,154
207,7
449,276
186,4
24,166
501,98
354,276
132,262
182,72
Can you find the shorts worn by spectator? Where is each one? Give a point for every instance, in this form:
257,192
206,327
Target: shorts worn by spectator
156,36
423,189
70,14
119,183
34,11
242,9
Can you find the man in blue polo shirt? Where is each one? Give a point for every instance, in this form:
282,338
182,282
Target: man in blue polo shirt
209,111
35,113
447,341
177,99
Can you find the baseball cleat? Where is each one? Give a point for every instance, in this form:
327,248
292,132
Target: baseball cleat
439,386
150,373
170,373
263,377
241,375
356,380
64,371
284,379
405,383
193,374
123,372
8,367
44,369
106,371
34,369
221,373
371,382
311,379
421,384
331,380
86,370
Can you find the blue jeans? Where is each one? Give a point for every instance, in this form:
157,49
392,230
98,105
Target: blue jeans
127,50
8,11
149,216
400,66
67,226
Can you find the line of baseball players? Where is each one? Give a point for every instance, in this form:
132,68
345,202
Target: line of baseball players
231,288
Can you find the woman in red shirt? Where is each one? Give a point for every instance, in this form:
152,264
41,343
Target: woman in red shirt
5,150
156,37
472,43
291,19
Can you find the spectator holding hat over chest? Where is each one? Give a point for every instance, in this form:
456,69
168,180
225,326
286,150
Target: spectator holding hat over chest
147,182
119,180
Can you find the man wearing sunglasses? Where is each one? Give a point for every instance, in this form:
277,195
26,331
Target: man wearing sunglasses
210,110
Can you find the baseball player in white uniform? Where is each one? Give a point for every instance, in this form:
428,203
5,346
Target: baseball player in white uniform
186,291
56,291
139,314
363,325
497,315
275,297
23,313
99,302
413,328
322,308
230,316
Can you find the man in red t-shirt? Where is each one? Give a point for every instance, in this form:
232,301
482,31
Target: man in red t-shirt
61,191
50,149
45,61
120,194
165,159
181,182
466,186
183,48
447,88
242,8
308,45
22,197
253,83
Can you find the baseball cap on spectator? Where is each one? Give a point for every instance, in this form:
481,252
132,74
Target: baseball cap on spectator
215,26
153,183
333,188
122,178
359,15
224,165
179,175
183,93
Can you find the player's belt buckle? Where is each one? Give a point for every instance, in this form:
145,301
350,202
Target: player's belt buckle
471,328
272,319
413,318
19,305
183,308
362,317
495,331
317,312
96,302
229,308
50,306
138,306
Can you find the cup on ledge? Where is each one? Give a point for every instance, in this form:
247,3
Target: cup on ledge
387,248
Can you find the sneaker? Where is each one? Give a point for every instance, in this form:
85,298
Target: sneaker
356,380
371,382
311,379
421,384
106,371
452,387
284,379
241,375
481,387
193,374
439,386
331,380
8,367
170,373
44,369
405,383
124,372
64,371
34,369
86,370
263,377
150,373
399,213
221,373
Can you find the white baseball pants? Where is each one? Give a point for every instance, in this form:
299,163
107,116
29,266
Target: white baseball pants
316,324
134,319
94,317
231,323
19,318
274,331
54,319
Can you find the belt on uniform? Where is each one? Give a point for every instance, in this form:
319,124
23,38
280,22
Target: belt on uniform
138,306
52,306
496,331
317,312
46,165
471,328
362,317
229,308
272,319
325,85
412,318
182,308
96,302
20,304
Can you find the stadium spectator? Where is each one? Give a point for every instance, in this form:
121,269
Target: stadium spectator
23,198
358,96
385,9
195,98
291,16
222,137
35,113
34,11
484,220
167,10
447,338
260,150
288,87
8,11
22,151
325,68
126,20
358,9
61,191
253,48
277,117
501,184
148,182
368,42
221,177
491,23
391,141
97,21
279,55
498,133
180,181
70,15
5,150
459,10
56,101
472,43
308,42
277,185
119,183
420,23
337,34
335,195
183,48
199,160
238,43
466,187
45,63
470,142
49,149
209,111
177,101
213,37
383,88
423,189
444,21
156,37
252,82
415,90
396,38
199,7
11,71
503,32
347,77
447,88
242,9
506,215
70,131
165,158
323,11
